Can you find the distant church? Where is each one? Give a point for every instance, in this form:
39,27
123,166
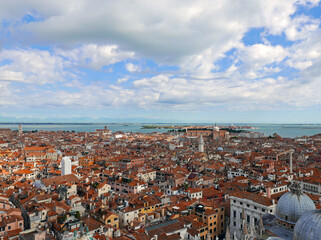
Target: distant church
209,134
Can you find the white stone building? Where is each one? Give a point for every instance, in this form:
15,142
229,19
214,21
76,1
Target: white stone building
249,207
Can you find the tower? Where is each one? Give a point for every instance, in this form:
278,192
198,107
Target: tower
20,130
291,162
65,166
201,144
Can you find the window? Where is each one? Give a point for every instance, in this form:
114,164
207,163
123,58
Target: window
248,218
234,214
263,210
248,205
255,207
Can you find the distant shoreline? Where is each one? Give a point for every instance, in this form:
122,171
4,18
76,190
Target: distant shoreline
158,124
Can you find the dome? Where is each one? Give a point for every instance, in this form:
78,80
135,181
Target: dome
308,227
293,205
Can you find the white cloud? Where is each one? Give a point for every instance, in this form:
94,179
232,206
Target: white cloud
31,66
305,53
6,96
184,33
133,67
167,30
234,94
42,66
95,56
165,92
257,58
300,27
122,80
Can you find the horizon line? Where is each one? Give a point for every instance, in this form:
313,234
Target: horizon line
101,123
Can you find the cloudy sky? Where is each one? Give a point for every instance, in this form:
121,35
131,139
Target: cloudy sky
167,60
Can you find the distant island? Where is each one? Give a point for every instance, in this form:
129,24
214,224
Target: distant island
160,127
173,128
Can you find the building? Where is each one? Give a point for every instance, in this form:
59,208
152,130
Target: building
65,166
20,130
292,206
295,217
125,164
104,131
213,217
212,134
247,209
86,161
311,185
127,185
308,227
251,134
201,144
27,151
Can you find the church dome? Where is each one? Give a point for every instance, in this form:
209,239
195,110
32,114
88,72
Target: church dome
308,227
293,205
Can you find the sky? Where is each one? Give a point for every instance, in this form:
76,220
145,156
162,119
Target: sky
165,61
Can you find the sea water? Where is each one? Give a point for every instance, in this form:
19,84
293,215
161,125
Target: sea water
284,130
